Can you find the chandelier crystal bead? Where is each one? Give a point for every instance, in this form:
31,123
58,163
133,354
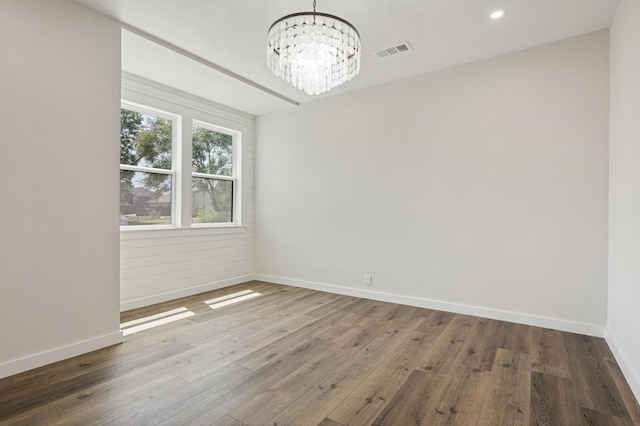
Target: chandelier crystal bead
315,52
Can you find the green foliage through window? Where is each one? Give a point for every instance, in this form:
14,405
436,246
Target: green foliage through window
145,141
212,152
146,171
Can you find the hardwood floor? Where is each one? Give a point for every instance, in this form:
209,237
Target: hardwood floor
265,354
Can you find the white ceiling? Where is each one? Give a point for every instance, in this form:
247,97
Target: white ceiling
232,35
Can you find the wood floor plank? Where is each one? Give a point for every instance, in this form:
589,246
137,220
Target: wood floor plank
285,392
508,393
596,418
410,405
626,393
295,356
553,401
548,353
100,404
461,402
331,307
613,372
261,380
514,337
595,390
228,421
316,328
25,398
329,422
364,306
479,348
231,347
209,399
370,311
338,385
152,411
372,395
295,303
449,345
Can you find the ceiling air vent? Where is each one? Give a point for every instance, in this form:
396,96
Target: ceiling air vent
394,50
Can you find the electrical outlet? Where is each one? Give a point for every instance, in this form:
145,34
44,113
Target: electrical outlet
368,279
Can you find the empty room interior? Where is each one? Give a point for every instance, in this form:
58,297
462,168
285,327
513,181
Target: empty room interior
320,212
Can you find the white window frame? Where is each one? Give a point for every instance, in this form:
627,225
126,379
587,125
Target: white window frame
158,99
176,125
236,171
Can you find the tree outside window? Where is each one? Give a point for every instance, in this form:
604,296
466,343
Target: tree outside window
149,192
146,173
212,181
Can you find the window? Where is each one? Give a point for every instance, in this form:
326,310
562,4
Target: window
147,174
213,177
165,170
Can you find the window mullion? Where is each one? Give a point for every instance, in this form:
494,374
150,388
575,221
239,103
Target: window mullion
176,158
185,172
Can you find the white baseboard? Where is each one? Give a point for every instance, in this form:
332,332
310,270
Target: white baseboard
126,305
553,323
58,354
626,366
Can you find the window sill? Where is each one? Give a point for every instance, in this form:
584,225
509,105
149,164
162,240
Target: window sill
136,232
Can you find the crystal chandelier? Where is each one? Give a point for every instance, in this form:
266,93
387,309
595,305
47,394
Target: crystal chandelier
313,51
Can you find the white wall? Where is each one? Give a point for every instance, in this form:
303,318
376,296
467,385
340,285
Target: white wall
160,265
478,189
624,199
59,99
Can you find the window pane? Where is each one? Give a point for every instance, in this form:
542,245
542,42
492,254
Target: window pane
145,198
212,200
145,140
212,152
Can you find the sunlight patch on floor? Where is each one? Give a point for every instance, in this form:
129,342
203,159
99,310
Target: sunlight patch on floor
156,320
232,298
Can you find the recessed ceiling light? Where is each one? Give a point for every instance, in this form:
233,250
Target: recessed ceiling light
497,14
